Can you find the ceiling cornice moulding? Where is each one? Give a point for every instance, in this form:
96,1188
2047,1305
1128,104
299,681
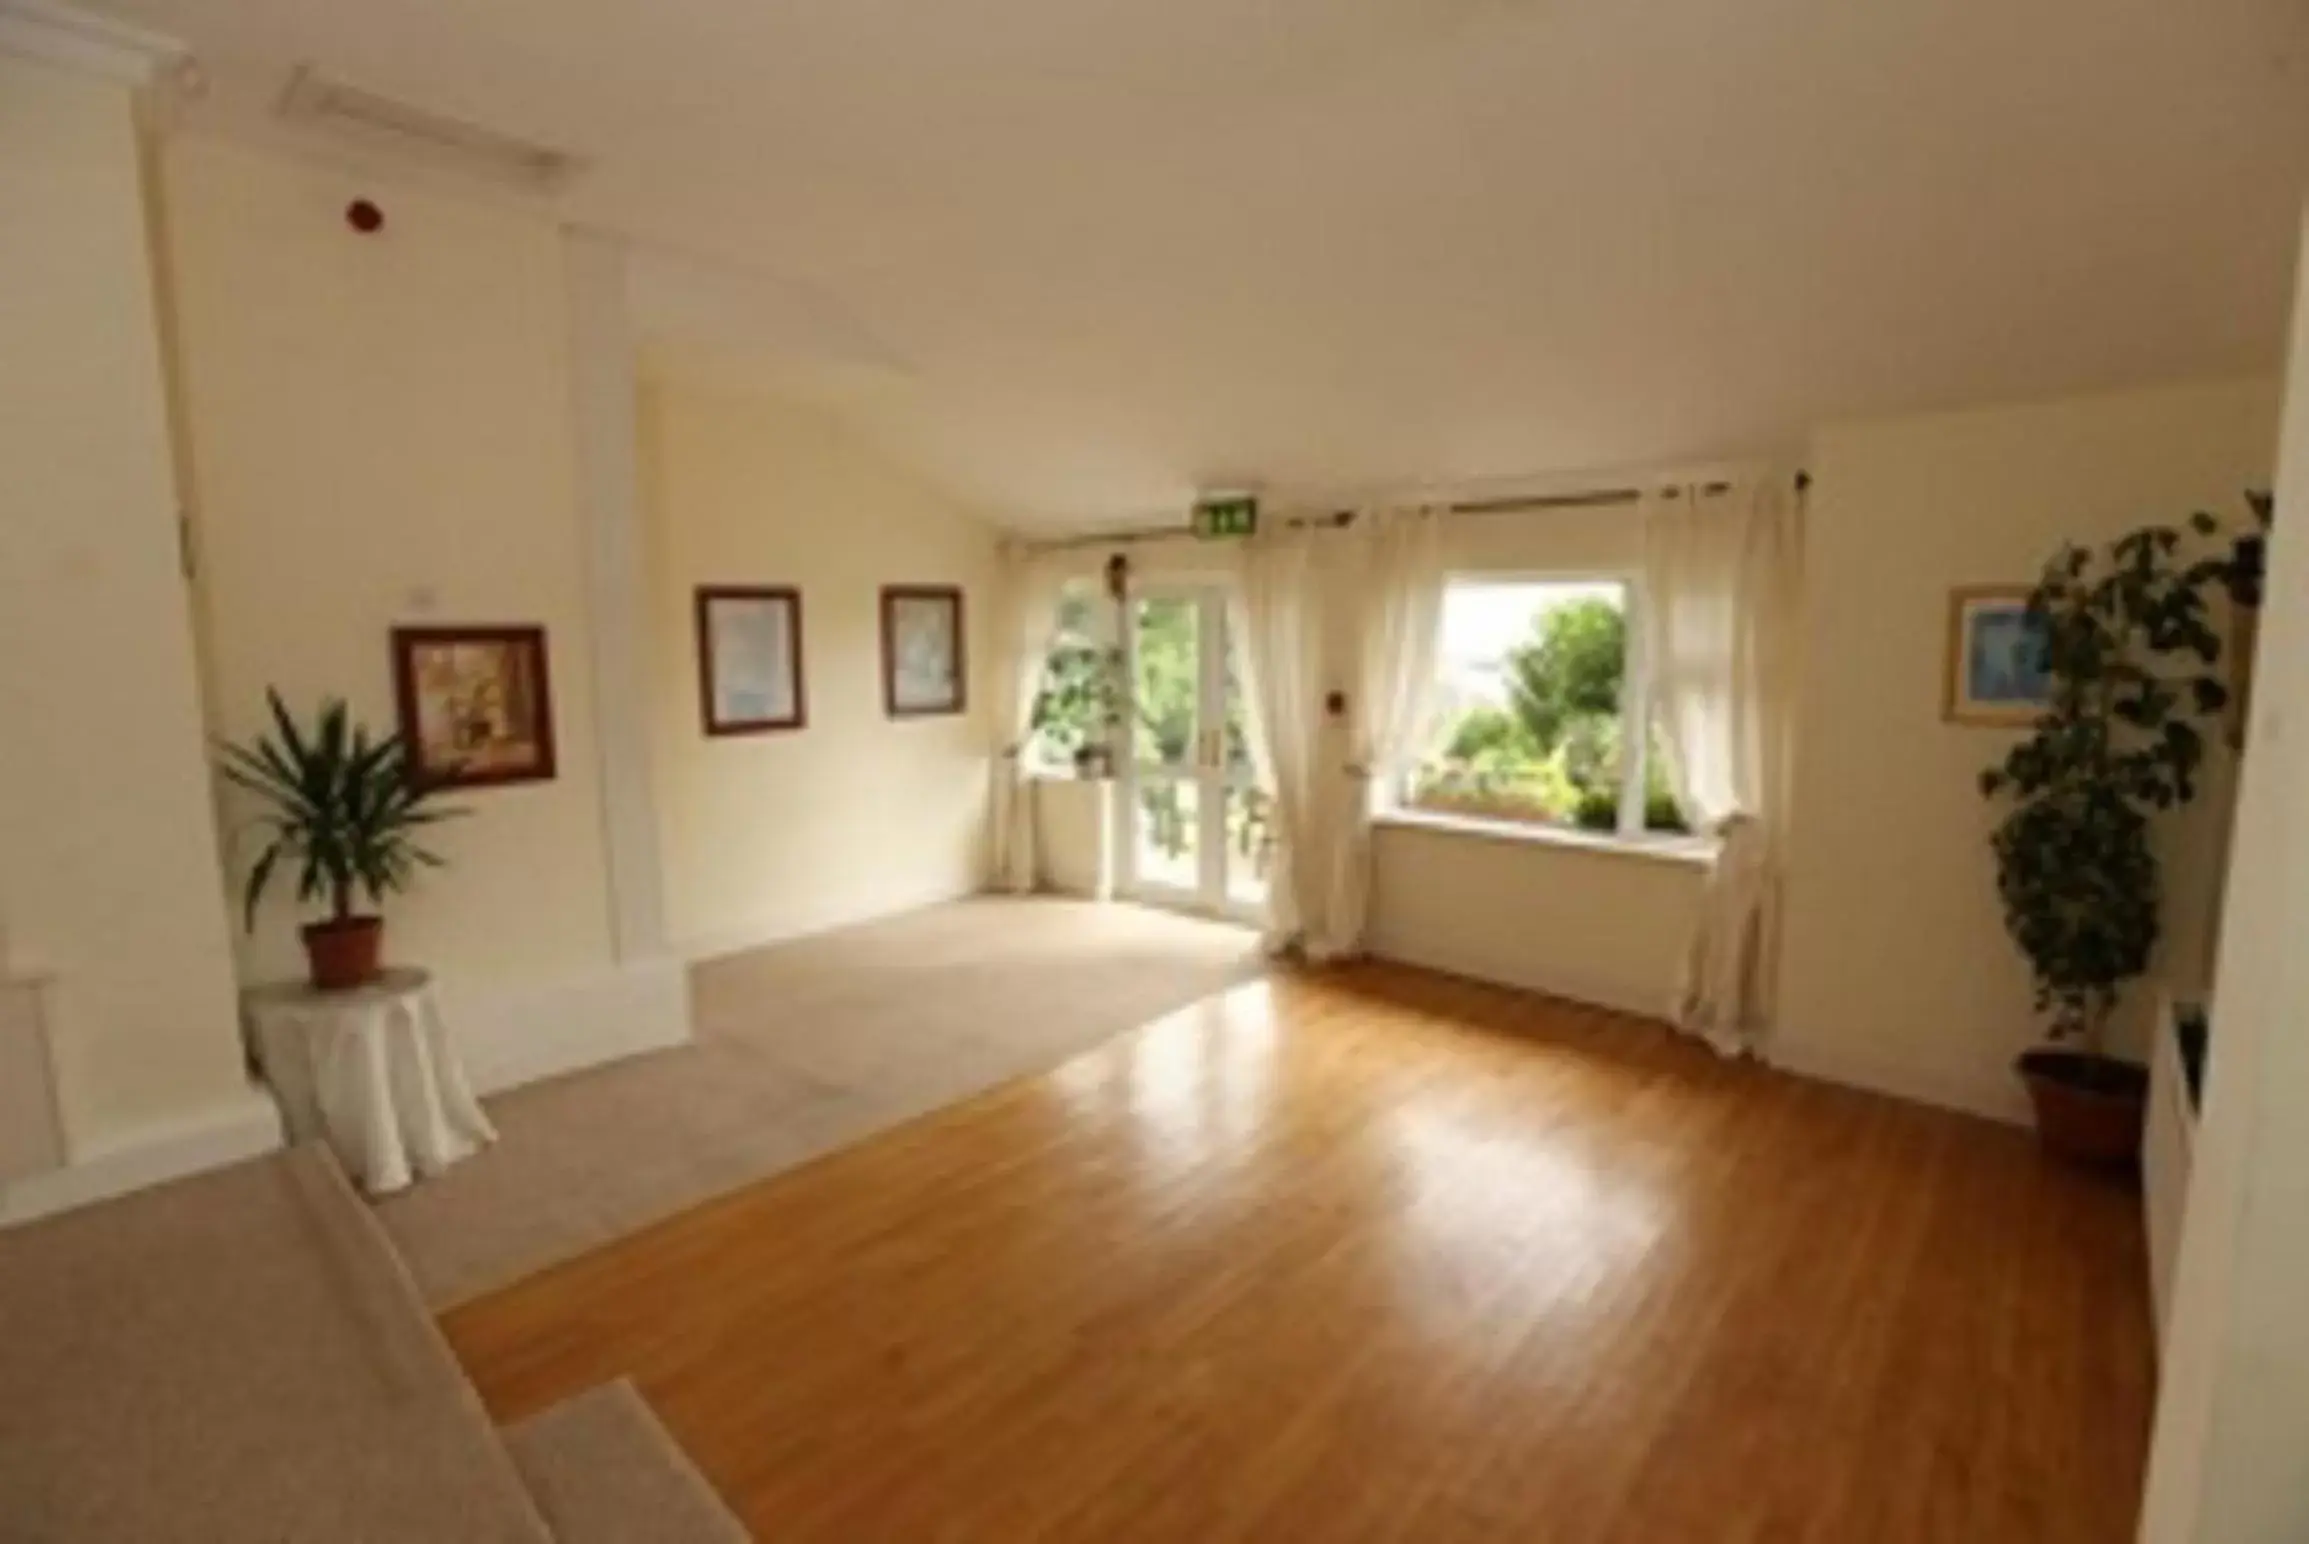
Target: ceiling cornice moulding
81,40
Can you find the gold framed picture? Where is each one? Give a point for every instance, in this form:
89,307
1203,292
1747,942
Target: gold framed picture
1996,674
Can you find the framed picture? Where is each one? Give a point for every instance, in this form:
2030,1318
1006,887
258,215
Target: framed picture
1996,658
922,664
476,706
750,658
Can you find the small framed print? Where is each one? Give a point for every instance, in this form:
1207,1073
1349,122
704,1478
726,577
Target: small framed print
922,663
750,658
1997,673
475,703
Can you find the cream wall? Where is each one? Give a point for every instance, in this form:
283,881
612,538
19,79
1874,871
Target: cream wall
2233,1397
1566,916
107,856
1588,923
1896,970
380,433
856,814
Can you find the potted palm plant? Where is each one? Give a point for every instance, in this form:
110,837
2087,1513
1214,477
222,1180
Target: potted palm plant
2129,645
345,808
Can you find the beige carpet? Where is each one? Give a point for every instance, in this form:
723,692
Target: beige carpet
237,1356
801,1048
603,1471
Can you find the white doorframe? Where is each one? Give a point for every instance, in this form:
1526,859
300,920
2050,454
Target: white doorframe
1207,769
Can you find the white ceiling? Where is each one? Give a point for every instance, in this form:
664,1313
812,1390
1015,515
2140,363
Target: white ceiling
1076,257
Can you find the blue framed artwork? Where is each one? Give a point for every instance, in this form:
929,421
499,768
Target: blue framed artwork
1996,658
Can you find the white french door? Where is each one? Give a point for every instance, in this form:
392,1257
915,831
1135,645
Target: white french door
1195,832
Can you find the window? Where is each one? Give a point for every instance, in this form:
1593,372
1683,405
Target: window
1534,711
1080,694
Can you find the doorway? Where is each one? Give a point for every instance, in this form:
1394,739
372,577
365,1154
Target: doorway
1196,831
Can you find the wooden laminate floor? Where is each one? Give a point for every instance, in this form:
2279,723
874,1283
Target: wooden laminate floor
1381,1255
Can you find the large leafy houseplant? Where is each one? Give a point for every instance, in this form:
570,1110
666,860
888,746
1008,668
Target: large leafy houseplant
2129,647
1080,707
345,809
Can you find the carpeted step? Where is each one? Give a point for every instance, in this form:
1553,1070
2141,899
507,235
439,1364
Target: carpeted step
603,1471
238,1356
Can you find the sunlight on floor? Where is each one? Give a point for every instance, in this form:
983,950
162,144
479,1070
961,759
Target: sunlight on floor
1197,1085
1498,1217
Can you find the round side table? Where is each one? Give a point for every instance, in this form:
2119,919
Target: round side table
372,1072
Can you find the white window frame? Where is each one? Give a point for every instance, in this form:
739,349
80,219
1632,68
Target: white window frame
1635,718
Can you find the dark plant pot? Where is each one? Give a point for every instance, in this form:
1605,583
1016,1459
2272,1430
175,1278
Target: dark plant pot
1093,761
344,955
2089,1108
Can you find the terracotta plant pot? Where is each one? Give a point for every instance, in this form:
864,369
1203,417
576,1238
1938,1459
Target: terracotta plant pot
344,954
2089,1108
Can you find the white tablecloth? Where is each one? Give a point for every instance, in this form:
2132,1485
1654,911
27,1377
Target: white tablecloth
371,1071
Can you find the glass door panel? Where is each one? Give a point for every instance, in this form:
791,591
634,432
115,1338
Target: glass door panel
1198,829
1167,835
1250,848
1166,848
1166,683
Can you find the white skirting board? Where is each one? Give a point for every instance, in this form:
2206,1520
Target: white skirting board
1643,1000
509,1036
1998,1097
246,1126
716,943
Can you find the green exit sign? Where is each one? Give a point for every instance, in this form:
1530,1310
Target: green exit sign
1236,515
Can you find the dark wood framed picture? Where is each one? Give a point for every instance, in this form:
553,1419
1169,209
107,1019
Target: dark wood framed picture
750,658
923,669
476,704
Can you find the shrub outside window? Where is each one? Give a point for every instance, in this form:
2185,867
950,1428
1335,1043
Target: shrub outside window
1537,699
1069,704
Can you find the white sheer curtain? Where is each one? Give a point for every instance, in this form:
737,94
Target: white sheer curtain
1398,585
1723,576
1276,616
1029,613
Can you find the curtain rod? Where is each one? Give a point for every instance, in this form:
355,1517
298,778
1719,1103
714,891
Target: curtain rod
1594,498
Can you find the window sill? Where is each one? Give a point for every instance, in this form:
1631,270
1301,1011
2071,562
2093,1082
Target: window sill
1690,851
